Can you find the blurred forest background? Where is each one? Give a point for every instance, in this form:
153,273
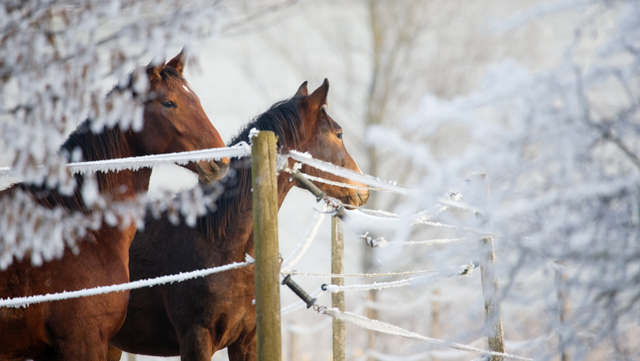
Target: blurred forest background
540,95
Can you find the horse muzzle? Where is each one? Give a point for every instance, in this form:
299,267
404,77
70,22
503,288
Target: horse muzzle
362,196
211,171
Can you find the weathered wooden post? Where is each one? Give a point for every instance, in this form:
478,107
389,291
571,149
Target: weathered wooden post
495,334
265,238
493,323
337,298
563,305
435,317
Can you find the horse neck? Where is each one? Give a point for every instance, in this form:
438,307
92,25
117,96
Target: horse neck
236,238
112,144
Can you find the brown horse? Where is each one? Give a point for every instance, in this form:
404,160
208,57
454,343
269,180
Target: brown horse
79,329
196,318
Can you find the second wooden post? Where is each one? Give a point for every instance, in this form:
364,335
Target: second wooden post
493,322
337,298
265,238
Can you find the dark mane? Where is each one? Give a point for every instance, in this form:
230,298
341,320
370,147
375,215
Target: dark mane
107,144
284,120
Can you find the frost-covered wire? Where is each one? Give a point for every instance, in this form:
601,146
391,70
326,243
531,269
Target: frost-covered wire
458,354
376,229
426,242
332,275
390,329
134,163
341,184
458,271
25,301
347,173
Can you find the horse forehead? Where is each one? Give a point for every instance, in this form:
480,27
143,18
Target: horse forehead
179,86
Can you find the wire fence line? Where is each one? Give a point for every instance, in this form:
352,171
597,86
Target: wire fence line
25,301
432,277
333,275
390,329
347,173
426,242
241,149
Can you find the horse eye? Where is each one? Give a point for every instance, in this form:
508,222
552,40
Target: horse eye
339,135
169,104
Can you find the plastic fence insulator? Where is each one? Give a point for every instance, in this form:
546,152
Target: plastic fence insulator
308,185
299,291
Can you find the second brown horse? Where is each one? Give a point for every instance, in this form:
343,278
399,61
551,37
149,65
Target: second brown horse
196,318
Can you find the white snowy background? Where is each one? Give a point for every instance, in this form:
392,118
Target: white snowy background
542,96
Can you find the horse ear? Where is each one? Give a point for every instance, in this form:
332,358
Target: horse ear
319,96
155,67
178,62
302,91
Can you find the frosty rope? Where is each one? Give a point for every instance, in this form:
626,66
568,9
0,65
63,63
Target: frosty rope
240,150
340,184
390,329
296,273
25,301
426,242
347,173
459,271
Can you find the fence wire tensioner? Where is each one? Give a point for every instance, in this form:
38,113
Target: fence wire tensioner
299,291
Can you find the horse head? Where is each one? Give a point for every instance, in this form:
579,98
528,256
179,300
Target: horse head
174,120
324,141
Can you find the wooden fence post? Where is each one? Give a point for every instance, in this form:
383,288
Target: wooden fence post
563,305
495,334
435,317
493,322
265,238
337,298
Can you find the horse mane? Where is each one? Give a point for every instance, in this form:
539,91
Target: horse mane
282,118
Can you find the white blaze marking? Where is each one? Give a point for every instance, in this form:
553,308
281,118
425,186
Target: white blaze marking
187,89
